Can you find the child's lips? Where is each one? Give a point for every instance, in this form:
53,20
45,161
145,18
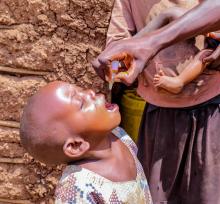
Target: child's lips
111,106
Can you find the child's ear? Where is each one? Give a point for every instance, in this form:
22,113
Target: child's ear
75,147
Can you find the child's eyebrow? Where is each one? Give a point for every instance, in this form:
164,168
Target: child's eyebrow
72,94
81,105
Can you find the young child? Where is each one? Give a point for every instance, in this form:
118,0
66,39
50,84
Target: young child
63,123
196,66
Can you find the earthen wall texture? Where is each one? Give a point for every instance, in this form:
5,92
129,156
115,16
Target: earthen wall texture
42,41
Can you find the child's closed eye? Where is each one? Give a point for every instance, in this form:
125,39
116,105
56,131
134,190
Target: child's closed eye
81,105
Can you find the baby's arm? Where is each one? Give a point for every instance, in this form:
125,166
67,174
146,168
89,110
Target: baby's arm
161,20
195,68
191,72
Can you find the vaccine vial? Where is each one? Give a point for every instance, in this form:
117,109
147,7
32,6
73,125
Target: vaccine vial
114,71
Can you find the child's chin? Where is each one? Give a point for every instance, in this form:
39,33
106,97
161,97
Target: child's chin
117,120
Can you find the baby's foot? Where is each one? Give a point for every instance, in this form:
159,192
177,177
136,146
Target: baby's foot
171,84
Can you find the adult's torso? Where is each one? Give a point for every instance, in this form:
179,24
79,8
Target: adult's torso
200,90
144,11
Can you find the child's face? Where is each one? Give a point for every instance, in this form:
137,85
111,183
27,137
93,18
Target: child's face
83,111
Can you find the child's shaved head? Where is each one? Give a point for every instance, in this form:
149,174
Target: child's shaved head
41,128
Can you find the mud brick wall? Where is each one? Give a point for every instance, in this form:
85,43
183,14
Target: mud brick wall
41,41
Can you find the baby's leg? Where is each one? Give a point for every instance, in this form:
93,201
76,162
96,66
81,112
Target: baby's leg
192,71
171,84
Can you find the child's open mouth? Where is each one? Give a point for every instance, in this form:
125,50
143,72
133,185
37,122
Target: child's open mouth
110,106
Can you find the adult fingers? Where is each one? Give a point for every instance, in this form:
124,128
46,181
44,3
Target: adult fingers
209,59
214,55
123,56
131,74
105,64
113,52
99,68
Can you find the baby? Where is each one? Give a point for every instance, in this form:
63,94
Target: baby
63,123
196,66
191,71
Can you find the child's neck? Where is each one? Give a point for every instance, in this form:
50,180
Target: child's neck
100,146
107,158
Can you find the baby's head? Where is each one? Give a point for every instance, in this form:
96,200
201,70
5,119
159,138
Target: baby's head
63,122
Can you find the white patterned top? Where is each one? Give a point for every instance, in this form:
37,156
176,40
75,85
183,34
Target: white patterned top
82,186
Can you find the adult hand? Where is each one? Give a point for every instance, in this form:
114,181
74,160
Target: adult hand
214,58
139,50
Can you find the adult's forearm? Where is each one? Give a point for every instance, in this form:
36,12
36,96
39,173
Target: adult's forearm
161,20
202,19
